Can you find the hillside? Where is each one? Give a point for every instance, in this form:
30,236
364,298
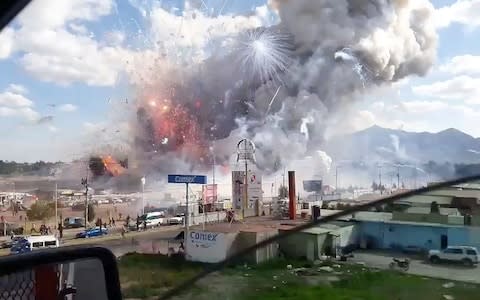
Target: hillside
376,144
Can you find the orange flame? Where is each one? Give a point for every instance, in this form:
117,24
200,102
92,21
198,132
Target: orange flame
113,166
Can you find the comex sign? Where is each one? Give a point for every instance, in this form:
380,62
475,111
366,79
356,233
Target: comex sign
209,247
203,239
187,179
194,179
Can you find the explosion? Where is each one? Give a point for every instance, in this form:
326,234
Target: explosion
112,166
279,85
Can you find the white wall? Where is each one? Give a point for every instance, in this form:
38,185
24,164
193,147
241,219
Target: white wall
211,217
204,246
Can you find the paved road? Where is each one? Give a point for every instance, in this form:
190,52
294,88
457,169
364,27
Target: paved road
421,267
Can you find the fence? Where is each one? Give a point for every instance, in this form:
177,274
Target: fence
41,283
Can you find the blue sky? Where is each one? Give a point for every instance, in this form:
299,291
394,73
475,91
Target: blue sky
59,75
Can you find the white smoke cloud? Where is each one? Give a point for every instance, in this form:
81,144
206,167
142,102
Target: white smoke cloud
192,61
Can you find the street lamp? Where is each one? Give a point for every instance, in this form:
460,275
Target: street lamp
143,195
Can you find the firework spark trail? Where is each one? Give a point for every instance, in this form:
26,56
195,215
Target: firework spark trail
346,54
273,99
265,54
223,6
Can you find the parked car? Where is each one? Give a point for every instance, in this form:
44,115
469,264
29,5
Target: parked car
178,219
92,232
73,222
468,256
154,219
8,243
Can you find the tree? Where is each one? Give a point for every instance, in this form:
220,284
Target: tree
91,212
434,208
41,210
283,192
374,186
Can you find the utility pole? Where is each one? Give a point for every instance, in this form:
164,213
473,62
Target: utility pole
246,183
56,205
398,177
336,178
143,195
214,186
85,183
380,179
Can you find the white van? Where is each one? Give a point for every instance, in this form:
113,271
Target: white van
36,242
154,218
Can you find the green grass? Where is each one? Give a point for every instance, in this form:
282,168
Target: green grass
144,276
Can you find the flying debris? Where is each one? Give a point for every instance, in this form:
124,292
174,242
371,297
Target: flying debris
280,86
52,105
45,119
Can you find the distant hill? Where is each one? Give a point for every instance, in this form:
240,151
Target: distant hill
377,144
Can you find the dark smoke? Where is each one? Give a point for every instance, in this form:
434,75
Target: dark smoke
335,51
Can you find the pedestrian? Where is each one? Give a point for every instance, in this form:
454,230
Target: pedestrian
113,222
138,222
60,229
109,222
123,232
145,224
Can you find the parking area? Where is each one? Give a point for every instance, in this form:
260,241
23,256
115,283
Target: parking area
420,267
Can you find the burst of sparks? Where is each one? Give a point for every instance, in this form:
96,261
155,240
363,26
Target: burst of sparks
346,54
265,53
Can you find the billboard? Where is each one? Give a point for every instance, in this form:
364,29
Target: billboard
255,192
209,193
312,186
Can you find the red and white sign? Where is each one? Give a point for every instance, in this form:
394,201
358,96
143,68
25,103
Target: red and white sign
209,193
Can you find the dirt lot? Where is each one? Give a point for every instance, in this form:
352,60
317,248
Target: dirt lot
283,279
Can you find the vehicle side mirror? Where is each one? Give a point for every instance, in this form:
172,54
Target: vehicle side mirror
61,273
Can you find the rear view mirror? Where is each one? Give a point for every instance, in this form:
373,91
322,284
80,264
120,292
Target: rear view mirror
62,273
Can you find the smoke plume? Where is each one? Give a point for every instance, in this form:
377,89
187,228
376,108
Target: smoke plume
277,85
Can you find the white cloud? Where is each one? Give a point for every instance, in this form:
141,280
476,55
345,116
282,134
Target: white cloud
67,107
14,104
17,89
463,87
26,113
463,64
10,99
56,47
6,42
420,107
463,12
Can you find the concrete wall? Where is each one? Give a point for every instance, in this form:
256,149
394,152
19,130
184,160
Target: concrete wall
244,240
425,218
475,221
385,235
305,245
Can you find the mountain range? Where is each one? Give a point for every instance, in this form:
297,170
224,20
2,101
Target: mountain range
378,144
